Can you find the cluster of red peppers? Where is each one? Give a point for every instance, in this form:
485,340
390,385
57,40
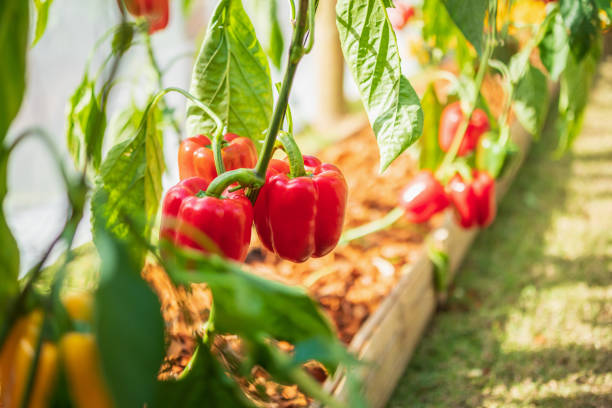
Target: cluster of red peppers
297,214
473,198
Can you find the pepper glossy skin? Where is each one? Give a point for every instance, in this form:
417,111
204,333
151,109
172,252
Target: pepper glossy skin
156,12
423,197
208,224
483,186
450,121
302,217
400,14
464,200
16,359
81,361
196,157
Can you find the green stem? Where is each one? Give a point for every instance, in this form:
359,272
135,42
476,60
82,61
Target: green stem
458,138
160,75
296,51
296,161
371,227
244,177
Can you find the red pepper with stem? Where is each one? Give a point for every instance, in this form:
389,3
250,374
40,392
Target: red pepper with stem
193,219
484,189
156,12
300,210
196,158
474,201
451,119
423,197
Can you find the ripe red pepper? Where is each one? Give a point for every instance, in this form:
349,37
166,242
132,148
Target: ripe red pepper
196,159
193,220
463,198
451,118
474,202
484,189
400,14
156,12
300,217
423,197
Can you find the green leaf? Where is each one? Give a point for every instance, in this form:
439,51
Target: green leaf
129,186
441,266
575,85
14,25
266,20
128,325
42,14
248,305
370,49
86,123
582,21
530,100
9,252
469,16
431,154
554,48
231,76
122,40
441,32
204,379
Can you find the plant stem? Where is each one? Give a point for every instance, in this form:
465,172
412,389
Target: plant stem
296,51
160,84
296,161
244,177
371,227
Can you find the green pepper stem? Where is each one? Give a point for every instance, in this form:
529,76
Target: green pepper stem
244,177
296,161
296,51
371,227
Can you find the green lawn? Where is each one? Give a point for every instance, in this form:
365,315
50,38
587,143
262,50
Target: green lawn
529,320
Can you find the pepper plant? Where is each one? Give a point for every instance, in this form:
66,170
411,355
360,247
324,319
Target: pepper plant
118,170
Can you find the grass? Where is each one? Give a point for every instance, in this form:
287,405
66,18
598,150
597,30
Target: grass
529,320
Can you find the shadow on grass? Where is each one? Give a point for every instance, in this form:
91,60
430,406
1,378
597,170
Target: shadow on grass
461,358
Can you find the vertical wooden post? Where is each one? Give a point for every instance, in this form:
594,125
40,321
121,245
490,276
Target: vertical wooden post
329,67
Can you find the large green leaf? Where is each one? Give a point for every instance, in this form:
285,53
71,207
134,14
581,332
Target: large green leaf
531,99
205,380
431,155
14,23
582,20
42,14
370,49
128,325
252,306
469,16
129,186
554,48
231,76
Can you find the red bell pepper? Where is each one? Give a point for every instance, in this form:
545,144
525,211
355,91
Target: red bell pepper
300,217
156,12
484,189
450,120
196,158
208,224
464,200
400,14
423,197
